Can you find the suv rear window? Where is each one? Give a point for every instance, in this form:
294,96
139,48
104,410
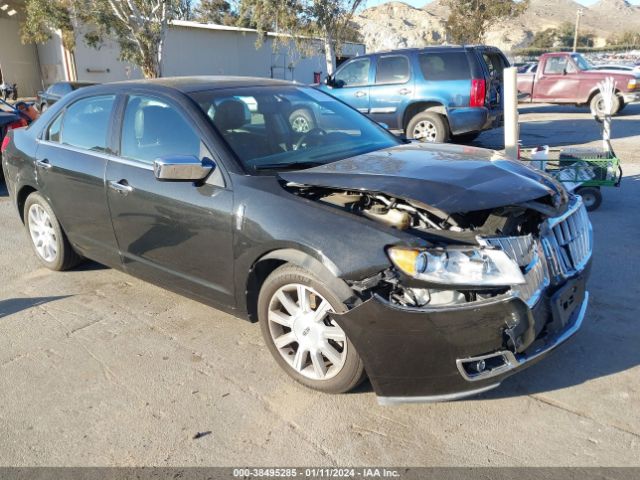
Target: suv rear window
444,66
392,69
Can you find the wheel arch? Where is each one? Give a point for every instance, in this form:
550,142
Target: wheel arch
262,267
423,106
21,198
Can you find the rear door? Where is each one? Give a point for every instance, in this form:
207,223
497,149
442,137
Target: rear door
175,234
495,63
392,90
71,160
352,82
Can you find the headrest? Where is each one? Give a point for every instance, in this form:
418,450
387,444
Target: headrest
230,114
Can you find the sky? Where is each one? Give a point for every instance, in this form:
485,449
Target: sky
420,3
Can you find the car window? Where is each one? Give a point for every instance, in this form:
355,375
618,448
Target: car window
152,129
53,132
555,65
392,69
291,127
85,123
60,89
444,66
495,64
354,73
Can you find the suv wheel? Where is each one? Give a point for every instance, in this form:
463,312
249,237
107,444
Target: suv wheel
302,121
428,127
47,238
293,310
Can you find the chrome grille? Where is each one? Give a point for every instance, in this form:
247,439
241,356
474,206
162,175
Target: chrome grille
527,253
568,243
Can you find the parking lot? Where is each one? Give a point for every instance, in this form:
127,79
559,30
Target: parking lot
98,368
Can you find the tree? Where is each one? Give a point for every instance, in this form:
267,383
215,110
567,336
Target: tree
138,26
305,20
561,37
469,20
214,11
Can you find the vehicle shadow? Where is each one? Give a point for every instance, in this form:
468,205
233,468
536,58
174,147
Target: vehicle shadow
89,266
15,305
559,131
3,189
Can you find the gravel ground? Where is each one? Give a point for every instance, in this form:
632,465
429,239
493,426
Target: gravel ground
98,368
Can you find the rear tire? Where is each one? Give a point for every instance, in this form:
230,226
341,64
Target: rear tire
429,127
300,335
48,240
591,196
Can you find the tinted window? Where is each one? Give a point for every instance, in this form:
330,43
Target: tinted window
154,129
392,69
354,73
261,129
86,122
495,64
444,66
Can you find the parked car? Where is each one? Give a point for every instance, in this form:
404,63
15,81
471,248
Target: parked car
429,94
570,78
438,270
56,91
530,67
10,118
618,67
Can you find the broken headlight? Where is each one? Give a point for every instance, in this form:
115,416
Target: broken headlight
477,267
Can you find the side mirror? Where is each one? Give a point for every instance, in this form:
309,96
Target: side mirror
328,81
182,168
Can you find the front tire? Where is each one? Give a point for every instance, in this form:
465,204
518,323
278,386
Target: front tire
428,127
597,106
293,311
48,240
302,121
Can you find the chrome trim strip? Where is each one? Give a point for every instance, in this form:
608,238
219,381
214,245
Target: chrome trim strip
383,110
515,361
447,397
105,156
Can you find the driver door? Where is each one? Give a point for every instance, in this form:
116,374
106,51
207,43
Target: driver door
559,81
175,234
351,83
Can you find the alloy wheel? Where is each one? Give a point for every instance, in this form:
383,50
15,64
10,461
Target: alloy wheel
43,235
304,334
425,131
300,124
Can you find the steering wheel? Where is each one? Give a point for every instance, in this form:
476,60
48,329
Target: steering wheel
314,132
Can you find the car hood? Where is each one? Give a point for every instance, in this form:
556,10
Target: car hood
449,178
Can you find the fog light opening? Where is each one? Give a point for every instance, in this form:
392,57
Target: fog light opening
484,367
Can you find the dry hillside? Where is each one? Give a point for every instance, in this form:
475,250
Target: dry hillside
398,25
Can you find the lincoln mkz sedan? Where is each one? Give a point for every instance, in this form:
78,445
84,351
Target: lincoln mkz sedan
435,270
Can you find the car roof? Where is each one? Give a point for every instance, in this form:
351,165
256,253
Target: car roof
196,83
435,48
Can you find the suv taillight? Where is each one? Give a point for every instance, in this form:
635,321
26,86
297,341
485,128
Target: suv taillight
478,92
5,143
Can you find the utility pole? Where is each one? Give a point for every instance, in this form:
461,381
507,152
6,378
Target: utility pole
579,13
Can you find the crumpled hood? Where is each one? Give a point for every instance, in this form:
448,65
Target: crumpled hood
450,178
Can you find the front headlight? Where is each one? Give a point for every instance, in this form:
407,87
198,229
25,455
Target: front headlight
477,267
632,84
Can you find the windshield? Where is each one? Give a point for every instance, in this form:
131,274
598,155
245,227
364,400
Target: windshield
583,63
289,127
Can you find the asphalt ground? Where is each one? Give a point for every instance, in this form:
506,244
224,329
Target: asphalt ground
99,368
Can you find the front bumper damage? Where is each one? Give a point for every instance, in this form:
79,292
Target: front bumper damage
428,355
437,353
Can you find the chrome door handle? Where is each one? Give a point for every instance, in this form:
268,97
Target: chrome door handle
404,91
360,93
46,164
120,187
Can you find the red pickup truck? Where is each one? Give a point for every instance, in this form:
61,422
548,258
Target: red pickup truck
570,78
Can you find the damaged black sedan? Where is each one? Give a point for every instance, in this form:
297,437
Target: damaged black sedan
435,270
